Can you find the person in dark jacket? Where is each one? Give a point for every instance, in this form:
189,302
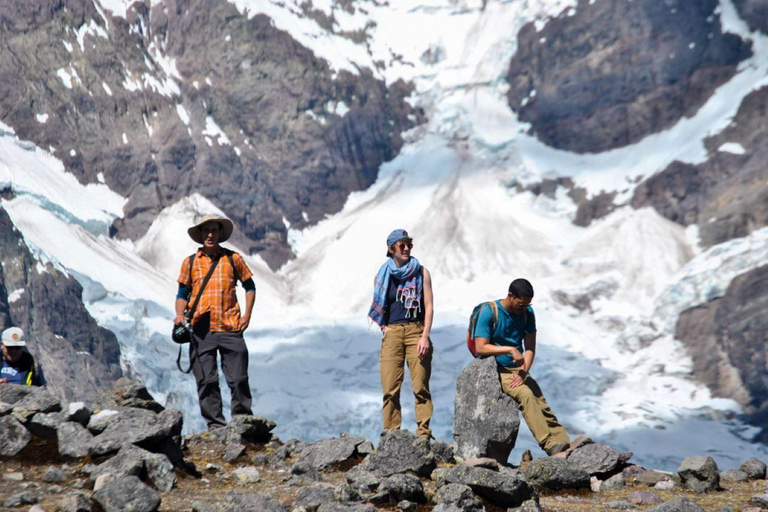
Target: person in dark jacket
19,367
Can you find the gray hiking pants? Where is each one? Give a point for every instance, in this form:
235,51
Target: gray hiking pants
234,364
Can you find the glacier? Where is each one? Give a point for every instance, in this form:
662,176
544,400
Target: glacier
612,371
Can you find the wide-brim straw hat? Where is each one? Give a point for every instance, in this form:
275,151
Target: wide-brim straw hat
196,233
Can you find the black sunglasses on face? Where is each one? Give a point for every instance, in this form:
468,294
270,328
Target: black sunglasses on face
403,245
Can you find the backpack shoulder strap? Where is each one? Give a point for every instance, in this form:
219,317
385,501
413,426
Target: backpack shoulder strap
494,314
191,264
230,256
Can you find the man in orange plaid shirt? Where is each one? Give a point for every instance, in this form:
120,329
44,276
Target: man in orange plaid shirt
217,325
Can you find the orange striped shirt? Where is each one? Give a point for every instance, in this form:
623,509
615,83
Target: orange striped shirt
219,297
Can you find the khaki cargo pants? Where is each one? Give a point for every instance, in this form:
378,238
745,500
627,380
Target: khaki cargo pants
398,346
539,417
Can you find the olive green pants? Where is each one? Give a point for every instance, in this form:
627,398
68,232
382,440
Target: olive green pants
398,346
539,417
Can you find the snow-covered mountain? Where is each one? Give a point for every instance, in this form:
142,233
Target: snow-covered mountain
467,184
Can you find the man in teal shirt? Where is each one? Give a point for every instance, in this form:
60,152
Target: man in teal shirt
511,339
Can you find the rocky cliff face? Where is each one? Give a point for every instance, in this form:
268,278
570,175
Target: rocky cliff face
79,358
725,195
606,74
727,341
167,101
755,13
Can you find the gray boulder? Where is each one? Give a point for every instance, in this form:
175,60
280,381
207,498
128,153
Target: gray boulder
363,481
239,502
127,493
45,425
19,499
443,451
74,440
736,475
11,394
554,473
405,487
504,488
252,429
598,459
54,474
346,507
38,400
761,500
75,502
327,454
135,426
754,468
13,436
699,474
233,452
458,497
486,420
400,451
677,505
314,495
134,461
247,475
644,498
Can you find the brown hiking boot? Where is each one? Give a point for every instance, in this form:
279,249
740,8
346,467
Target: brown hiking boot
561,447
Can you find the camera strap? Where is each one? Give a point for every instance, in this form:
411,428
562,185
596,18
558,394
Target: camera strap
191,312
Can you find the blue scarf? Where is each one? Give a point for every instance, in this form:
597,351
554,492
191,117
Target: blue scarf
408,292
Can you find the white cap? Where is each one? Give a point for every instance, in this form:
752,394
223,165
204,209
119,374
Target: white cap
14,337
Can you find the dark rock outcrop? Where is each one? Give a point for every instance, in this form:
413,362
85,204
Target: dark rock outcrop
598,459
755,469
13,436
79,358
755,13
726,195
726,340
328,454
699,474
163,105
486,420
606,74
400,451
555,474
504,487
127,493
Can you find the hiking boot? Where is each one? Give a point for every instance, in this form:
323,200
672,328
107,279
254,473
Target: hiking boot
560,447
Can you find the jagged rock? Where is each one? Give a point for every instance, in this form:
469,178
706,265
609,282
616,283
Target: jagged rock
553,473
443,451
597,459
52,475
736,475
133,393
665,485
13,436
620,505
617,481
486,420
238,502
327,454
160,471
363,481
74,440
233,452
278,456
644,498
129,461
405,487
457,497
505,488
400,451
45,425
761,500
252,429
346,507
127,493
11,394
5,409
574,81
98,422
650,477
677,505
314,495
136,426
248,475
79,412
699,474
366,448
754,468
75,502
102,480
19,499
38,400
527,506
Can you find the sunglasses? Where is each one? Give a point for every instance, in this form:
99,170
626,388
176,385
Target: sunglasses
403,245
